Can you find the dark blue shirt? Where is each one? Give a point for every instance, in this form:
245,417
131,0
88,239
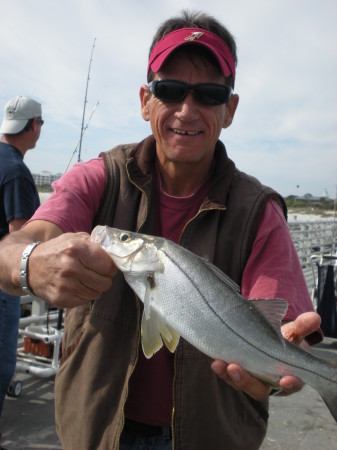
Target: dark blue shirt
19,198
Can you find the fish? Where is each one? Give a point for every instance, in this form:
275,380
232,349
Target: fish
186,296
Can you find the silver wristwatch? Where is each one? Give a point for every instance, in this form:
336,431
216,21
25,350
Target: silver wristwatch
24,268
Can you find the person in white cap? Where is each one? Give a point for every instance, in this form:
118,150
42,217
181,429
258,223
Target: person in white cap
20,128
178,183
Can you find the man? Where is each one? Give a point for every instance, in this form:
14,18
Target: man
178,183
21,127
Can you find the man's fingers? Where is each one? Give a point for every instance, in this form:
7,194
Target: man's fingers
241,380
245,382
94,257
301,327
290,385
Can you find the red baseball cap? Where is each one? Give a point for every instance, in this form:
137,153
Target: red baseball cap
195,36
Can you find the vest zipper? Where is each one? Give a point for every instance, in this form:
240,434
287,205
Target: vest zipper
173,389
201,210
143,192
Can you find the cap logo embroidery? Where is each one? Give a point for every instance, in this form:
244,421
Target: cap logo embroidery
11,111
194,35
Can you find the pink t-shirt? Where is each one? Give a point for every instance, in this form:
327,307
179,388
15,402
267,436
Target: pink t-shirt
272,271
76,197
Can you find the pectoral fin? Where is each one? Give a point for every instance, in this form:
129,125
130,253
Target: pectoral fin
154,332
147,298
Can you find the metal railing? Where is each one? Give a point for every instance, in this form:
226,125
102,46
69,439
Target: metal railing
310,238
313,237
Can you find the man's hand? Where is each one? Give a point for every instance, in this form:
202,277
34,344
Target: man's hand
239,379
65,270
70,270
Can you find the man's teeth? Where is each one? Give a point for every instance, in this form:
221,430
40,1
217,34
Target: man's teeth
189,133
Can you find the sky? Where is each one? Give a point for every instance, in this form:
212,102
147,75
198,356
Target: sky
285,128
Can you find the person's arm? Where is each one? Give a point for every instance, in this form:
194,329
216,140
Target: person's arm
16,224
66,270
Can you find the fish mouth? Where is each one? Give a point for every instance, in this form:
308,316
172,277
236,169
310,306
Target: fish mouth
185,132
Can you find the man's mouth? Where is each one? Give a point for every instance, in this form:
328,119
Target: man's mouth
185,133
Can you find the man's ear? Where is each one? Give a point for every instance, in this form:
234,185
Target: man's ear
34,124
144,95
231,108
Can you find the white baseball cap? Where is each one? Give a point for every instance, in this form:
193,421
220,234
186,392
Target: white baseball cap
17,113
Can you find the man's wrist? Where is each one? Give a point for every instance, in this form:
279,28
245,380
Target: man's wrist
24,268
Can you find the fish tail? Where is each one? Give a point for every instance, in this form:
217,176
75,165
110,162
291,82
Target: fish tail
327,389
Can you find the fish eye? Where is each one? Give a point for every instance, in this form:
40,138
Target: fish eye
124,237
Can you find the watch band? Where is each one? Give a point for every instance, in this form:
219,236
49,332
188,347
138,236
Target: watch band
24,268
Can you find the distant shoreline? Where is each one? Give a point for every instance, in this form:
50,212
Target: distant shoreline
306,216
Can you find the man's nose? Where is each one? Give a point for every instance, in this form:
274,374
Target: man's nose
188,107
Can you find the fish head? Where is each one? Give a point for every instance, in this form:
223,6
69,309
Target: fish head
131,252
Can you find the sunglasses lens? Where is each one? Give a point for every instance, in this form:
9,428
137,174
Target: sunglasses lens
209,94
204,93
169,91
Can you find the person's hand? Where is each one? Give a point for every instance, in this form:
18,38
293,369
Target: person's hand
239,379
70,270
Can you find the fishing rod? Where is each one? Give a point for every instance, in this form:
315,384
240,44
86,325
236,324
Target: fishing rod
85,103
84,127
82,133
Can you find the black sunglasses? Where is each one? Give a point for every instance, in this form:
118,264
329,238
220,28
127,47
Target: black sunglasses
204,93
39,120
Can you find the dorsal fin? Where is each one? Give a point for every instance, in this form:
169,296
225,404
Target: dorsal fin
273,310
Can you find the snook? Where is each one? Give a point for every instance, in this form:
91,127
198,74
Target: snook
184,295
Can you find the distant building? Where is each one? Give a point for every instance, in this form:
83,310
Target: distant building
45,177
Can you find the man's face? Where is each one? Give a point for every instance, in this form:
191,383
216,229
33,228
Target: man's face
35,132
186,131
